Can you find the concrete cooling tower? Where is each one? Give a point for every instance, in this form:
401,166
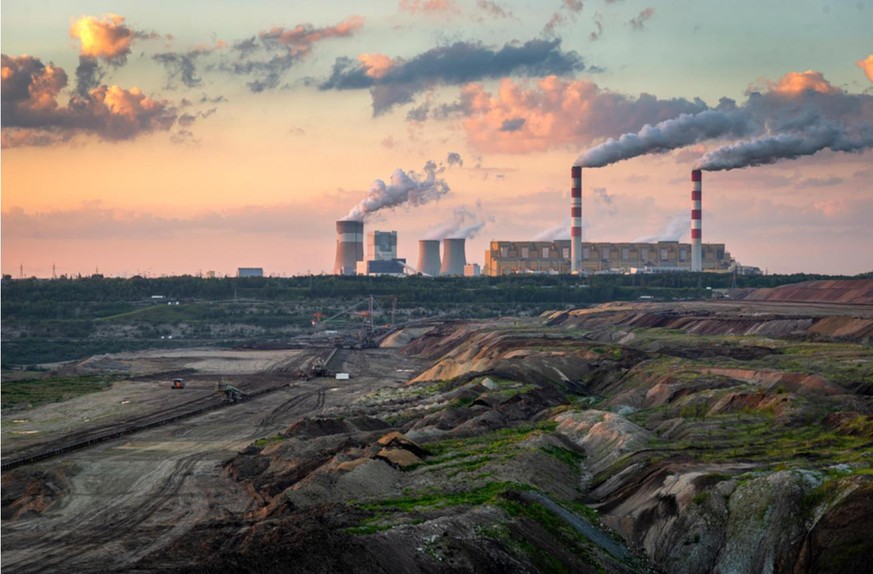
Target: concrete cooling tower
429,257
349,246
454,257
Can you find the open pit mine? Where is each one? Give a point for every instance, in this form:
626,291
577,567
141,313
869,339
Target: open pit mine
719,436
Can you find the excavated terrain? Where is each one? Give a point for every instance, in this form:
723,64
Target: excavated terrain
692,437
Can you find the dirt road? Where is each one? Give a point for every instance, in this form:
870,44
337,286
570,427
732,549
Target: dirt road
131,497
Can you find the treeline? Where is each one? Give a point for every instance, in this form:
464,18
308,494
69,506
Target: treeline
63,319
560,288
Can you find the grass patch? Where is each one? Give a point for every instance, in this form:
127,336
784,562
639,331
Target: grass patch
30,393
495,443
569,457
266,441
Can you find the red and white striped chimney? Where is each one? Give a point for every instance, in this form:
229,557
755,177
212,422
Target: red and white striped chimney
696,221
576,220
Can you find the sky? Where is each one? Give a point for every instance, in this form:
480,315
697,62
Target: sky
168,138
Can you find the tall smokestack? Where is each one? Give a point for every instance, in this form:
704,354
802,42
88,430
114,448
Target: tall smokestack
454,257
696,221
349,246
576,220
429,257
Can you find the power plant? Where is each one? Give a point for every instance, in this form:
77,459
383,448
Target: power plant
349,246
558,257
429,257
454,257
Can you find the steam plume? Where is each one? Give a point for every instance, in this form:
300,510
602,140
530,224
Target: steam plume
404,188
561,231
668,135
800,114
465,224
672,231
792,145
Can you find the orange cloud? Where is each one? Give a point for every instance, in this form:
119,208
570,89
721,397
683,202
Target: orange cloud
30,85
797,83
108,38
867,65
557,113
414,6
33,116
299,39
376,65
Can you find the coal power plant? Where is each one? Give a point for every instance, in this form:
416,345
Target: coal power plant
655,255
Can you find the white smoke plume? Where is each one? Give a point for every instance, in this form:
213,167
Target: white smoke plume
800,114
556,233
405,188
678,226
668,135
465,224
791,145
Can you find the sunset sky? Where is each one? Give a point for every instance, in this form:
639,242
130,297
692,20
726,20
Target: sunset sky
167,137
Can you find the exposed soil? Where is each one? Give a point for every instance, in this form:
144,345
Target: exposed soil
717,437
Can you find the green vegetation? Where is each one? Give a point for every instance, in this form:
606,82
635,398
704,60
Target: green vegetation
266,441
33,392
497,443
569,457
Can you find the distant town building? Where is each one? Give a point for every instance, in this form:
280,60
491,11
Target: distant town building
553,257
250,272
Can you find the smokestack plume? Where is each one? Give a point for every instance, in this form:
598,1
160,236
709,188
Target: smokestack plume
454,257
576,219
429,257
404,188
349,246
772,148
696,220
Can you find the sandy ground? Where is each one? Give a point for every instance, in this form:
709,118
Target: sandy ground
131,497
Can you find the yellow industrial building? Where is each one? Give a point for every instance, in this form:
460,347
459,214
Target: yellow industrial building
509,257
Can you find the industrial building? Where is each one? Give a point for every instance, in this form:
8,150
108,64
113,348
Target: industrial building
508,257
382,245
382,255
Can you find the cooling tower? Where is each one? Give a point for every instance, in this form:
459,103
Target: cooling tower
349,246
454,257
429,257
696,221
576,220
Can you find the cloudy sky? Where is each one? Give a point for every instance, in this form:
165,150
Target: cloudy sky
170,137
